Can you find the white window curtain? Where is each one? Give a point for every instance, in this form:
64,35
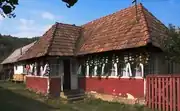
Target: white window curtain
102,71
114,70
79,70
95,70
140,70
128,71
87,70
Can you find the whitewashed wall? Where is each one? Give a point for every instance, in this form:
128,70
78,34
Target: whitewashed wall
18,69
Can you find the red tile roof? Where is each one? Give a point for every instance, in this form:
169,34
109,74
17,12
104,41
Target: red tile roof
121,30
59,40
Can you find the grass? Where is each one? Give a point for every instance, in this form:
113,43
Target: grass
14,97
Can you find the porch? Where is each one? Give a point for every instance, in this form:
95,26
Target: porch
52,77
116,73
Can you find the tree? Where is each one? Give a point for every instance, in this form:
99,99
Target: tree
171,44
70,3
8,6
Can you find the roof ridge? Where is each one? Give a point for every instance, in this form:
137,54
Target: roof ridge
146,24
154,16
119,11
25,51
78,42
54,31
68,24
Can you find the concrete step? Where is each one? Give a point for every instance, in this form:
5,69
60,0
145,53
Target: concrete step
78,98
72,92
73,95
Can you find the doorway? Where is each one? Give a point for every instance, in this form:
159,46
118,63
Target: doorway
67,75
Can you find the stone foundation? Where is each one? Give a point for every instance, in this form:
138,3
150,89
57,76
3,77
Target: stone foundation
111,98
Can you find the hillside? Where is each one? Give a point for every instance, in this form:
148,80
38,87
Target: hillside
8,44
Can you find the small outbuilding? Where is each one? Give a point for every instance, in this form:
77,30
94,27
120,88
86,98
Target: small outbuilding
12,68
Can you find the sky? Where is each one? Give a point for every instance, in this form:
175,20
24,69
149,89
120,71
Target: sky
35,17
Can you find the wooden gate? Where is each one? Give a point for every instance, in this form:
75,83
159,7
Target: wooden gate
163,92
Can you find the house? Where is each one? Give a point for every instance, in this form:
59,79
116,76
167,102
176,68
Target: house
111,55
11,65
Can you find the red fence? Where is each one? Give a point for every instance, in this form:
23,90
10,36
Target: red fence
163,92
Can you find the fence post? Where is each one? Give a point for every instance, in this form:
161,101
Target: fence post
171,93
178,94
156,93
174,94
159,93
163,94
152,102
167,94
147,92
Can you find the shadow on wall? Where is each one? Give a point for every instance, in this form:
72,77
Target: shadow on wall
82,82
11,101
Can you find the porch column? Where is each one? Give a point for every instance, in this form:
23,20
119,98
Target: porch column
87,70
102,71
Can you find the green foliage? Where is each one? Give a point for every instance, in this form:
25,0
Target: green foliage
70,3
171,44
7,7
8,44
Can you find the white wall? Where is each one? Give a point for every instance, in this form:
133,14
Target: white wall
18,69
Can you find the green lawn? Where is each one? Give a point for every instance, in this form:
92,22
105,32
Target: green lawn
14,97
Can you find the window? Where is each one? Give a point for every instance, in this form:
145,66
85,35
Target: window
139,70
99,70
108,68
81,70
120,68
133,69
87,70
102,69
91,70
113,70
55,69
128,71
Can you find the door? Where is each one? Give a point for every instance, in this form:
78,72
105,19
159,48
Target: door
74,76
67,75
